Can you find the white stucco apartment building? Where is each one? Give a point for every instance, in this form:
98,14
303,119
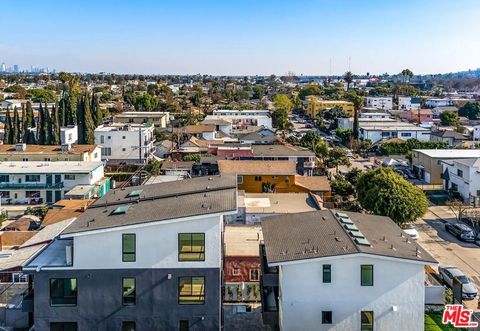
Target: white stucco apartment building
385,103
463,176
241,119
382,130
121,142
409,103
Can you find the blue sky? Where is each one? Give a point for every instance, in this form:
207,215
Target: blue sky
241,36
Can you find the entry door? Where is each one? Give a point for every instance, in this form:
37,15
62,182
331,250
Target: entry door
49,197
49,179
58,195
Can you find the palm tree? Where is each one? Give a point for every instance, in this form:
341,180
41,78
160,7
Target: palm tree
407,75
348,77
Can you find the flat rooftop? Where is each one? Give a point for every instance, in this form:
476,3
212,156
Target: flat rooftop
276,203
38,167
280,150
121,127
449,153
47,149
242,240
257,167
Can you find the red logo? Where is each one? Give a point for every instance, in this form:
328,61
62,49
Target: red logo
458,316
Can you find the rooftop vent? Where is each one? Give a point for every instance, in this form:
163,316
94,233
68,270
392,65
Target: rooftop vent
66,147
20,147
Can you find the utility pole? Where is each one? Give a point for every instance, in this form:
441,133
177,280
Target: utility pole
140,155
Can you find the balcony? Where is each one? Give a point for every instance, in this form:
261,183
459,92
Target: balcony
269,291
22,201
33,186
309,164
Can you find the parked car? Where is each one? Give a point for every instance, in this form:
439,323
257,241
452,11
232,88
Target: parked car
469,291
411,231
461,231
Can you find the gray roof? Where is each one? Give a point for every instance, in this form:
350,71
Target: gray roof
280,150
158,202
449,134
318,234
256,136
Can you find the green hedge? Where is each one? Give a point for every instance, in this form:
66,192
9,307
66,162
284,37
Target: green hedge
404,147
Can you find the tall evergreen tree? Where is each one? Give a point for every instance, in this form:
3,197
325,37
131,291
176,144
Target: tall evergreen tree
23,132
29,117
96,111
61,112
55,126
16,131
8,134
88,123
355,124
41,129
80,120
71,109
48,126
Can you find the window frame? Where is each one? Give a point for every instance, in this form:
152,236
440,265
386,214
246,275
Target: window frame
326,268
250,274
362,282
124,325
126,304
134,247
60,304
325,314
62,325
239,179
367,327
202,253
195,303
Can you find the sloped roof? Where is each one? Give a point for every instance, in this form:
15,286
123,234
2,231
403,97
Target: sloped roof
256,167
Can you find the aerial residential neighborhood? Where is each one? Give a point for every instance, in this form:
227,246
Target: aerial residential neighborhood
240,165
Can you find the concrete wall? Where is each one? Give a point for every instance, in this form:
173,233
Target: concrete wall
99,300
396,283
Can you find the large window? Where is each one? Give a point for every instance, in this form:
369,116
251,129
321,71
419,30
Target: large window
327,273
128,247
367,321
326,317
254,275
4,178
63,291
63,326
129,290
128,326
366,276
32,178
191,290
69,177
191,247
239,179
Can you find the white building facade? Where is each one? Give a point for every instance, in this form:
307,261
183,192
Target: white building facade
122,142
463,176
409,103
385,103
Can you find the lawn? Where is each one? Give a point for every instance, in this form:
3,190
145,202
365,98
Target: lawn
433,322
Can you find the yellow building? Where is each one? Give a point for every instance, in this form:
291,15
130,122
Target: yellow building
316,105
24,152
273,176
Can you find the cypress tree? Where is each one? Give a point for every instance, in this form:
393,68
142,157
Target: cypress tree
355,124
61,112
88,123
7,138
41,134
96,111
29,118
48,126
23,132
55,126
16,132
80,117
71,109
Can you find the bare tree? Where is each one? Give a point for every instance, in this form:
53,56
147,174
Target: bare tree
474,217
458,207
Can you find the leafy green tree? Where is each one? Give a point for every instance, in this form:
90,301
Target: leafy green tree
41,95
345,135
8,131
337,156
365,145
20,91
342,187
258,92
311,89
383,192
407,74
310,139
353,176
280,119
471,110
86,126
449,118
282,102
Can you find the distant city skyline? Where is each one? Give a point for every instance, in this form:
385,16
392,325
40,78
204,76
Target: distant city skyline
245,37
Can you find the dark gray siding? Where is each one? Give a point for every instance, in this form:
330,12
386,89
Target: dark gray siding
99,300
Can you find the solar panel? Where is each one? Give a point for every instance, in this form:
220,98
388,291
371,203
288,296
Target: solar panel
346,220
120,210
356,234
135,193
341,215
362,241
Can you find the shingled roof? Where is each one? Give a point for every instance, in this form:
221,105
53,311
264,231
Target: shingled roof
257,167
317,234
158,202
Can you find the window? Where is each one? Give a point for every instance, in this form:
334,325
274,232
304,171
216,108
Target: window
239,179
183,325
258,178
46,159
124,149
5,194
406,134
4,178
123,137
454,187
63,291
128,247
18,277
191,290
235,272
102,139
459,173
327,273
326,317
32,194
32,178
366,275
70,137
63,326
367,321
109,137
128,326
129,287
254,275
69,177
191,247
120,210
25,159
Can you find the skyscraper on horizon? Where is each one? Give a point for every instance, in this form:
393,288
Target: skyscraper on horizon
3,68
